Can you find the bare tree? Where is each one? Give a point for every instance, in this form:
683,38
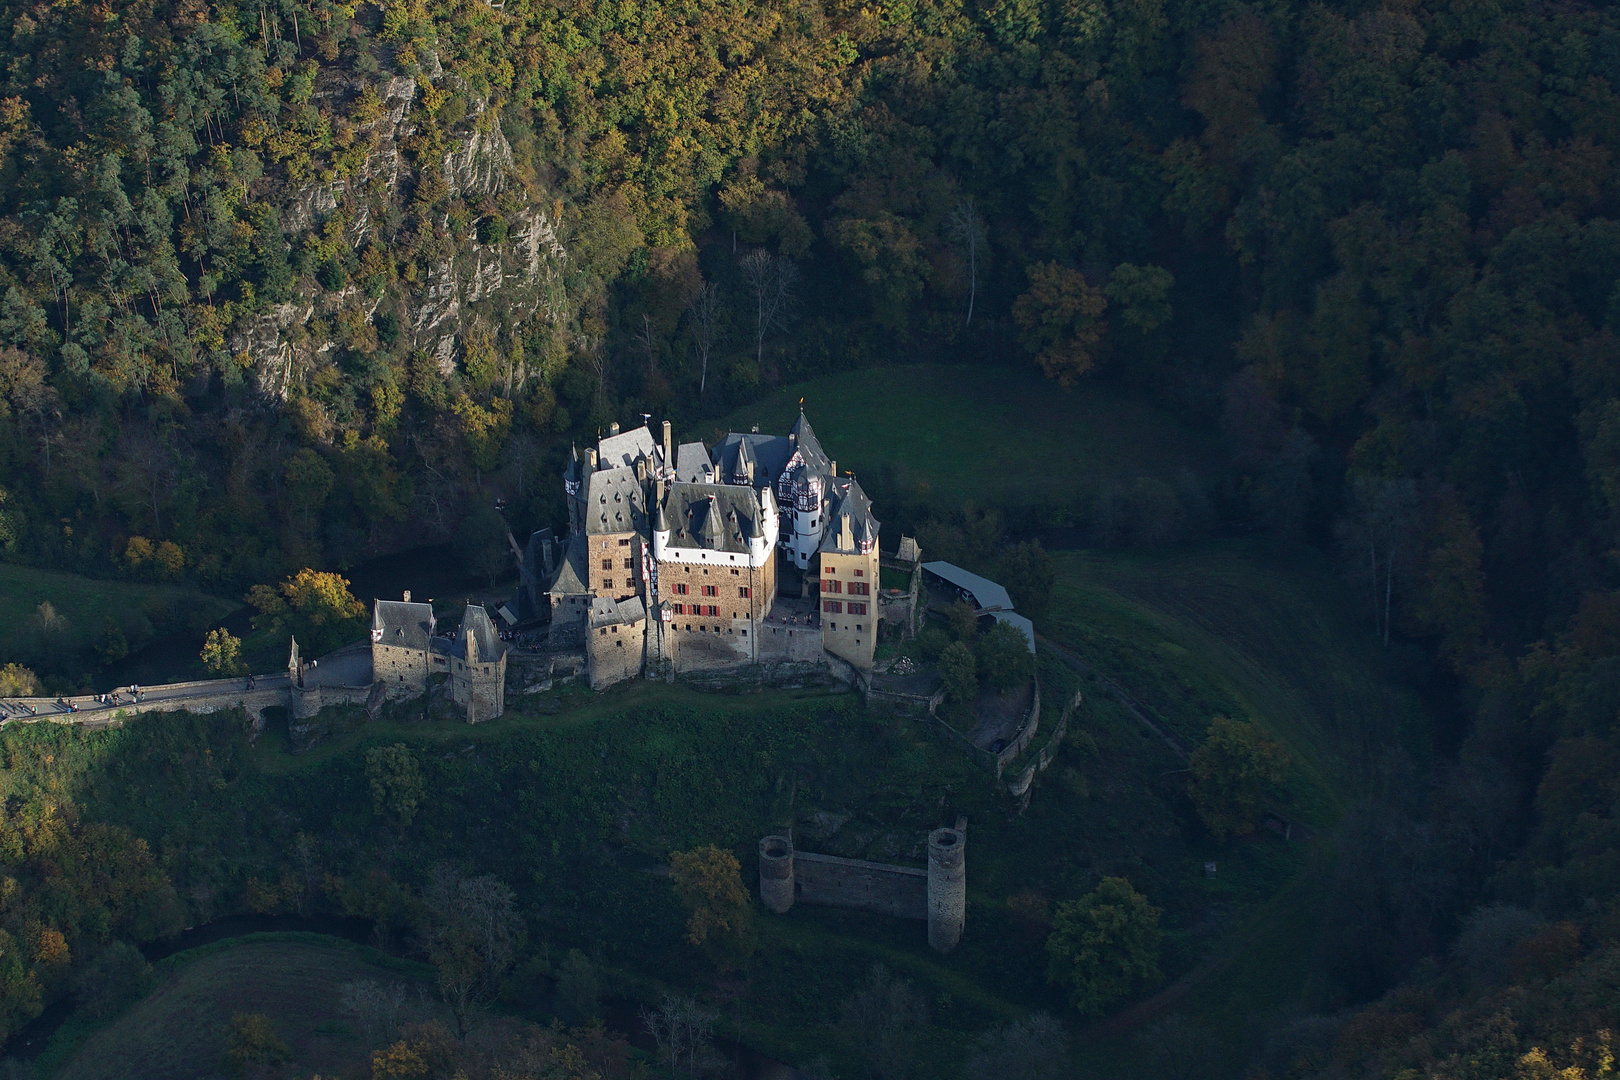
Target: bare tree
885,1018
472,935
1377,535
374,1006
968,228
774,284
704,312
1032,1049
681,1028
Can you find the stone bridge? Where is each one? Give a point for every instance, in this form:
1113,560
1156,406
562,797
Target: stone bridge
343,677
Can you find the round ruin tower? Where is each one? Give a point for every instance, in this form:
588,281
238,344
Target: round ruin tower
947,887
776,885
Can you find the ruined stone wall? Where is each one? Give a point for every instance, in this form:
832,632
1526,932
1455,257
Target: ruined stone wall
901,891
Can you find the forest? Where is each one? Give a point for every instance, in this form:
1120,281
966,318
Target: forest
292,284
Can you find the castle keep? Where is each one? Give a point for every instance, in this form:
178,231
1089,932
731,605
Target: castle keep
683,559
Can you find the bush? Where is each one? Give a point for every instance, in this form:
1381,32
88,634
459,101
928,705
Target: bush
112,980
1032,1049
1004,659
252,1040
579,991
1104,946
959,673
1230,772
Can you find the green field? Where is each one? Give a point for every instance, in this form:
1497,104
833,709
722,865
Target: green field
1263,633
87,604
997,436
177,1031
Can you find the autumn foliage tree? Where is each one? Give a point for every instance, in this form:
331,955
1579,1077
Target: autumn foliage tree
313,606
1060,321
708,880
1231,770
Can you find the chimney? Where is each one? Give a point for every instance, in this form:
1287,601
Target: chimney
834,464
407,596
669,460
613,429
590,458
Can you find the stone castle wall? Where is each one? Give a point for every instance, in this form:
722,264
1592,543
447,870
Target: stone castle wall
615,653
937,895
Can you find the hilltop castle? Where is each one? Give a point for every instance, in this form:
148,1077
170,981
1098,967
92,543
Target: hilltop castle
682,560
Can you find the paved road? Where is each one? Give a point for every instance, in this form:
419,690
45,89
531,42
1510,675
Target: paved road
87,707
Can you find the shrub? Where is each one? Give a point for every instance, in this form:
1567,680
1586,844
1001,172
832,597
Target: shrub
1104,946
959,672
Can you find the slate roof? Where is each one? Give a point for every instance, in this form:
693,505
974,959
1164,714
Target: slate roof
712,517
482,644
1024,626
572,577
614,502
606,611
769,454
986,593
692,464
846,502
401,624
805,442
626,448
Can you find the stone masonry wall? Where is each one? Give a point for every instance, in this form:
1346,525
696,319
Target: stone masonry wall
851,883
615,652
402,671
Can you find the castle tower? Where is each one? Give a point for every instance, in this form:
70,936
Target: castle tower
776,884
947,887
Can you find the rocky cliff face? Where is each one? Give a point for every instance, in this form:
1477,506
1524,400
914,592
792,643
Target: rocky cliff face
467,284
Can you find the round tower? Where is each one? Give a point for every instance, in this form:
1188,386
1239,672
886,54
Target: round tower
947,888
776,886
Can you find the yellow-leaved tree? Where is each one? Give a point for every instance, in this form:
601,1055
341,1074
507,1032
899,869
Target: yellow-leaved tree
708,881
314,606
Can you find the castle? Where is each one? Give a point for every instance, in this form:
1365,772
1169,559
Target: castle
406,649
681,560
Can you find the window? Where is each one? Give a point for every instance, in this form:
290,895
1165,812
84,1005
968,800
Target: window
680,588
827,570
627,564
744,592
620,644
713,611
860,573
833,606
857,630
734,570
711,590
607,564
679,609
832,586
604,631
626,543
607,583
860,588
857,609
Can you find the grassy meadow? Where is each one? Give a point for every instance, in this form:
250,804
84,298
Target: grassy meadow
995,436
178,1030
